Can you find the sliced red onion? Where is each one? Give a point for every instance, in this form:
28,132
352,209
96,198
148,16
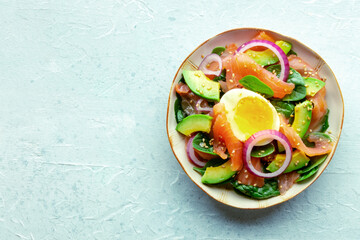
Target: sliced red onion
201,109
209,59
262,135
284,62
191,153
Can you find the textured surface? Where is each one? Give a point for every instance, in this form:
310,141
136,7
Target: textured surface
83,146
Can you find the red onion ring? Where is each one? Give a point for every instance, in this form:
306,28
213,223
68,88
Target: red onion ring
284,62
191,153
209,59
259,136
200,109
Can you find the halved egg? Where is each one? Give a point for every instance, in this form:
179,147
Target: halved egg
248,112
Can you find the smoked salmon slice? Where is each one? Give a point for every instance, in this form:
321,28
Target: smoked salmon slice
247,178
302,67
223,135
240,65
322,145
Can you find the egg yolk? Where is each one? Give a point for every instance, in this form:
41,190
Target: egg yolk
253,115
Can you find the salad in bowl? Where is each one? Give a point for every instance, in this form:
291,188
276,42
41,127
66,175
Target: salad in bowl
248,117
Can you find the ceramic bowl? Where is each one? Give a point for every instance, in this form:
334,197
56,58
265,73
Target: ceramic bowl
334,100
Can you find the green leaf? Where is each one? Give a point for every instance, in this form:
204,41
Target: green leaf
299,91
222,76
211,163
263,151
297,94
201,143
270,189
325,121
292,52
254,84
314,162
285,108
218,50
179,113
308,174
294,76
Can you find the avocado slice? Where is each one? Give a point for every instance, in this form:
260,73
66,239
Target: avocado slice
267,57
313,85
194,123
298,160
215,175
302,117
201,85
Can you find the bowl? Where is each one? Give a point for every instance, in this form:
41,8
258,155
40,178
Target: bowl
227,195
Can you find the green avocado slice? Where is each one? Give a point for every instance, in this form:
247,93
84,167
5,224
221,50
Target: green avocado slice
267,57
215,175
201,85
194,123
298,161
313,85
302,118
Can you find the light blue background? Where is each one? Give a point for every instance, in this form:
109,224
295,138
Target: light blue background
83,147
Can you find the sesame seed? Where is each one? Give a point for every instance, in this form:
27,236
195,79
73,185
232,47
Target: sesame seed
310,130
255,185
323,147
246,176
281,185
245,170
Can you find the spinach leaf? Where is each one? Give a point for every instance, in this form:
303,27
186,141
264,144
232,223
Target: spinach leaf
222,76
294,76
179,112
270,189
285,108
254,84
325,121
292,52
218,50
308,174
314,162
211,163
182,80
299,91
297,94
201,143
263,151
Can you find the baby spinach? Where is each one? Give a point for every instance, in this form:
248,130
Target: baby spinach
314,162
222,76
263,151
297,94
179,112
201,143
299,91
218,50
270,189
254,84
291,52
211,163
294,76
308,174
325,121
286,108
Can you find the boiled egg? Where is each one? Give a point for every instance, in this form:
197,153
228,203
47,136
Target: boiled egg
248,112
